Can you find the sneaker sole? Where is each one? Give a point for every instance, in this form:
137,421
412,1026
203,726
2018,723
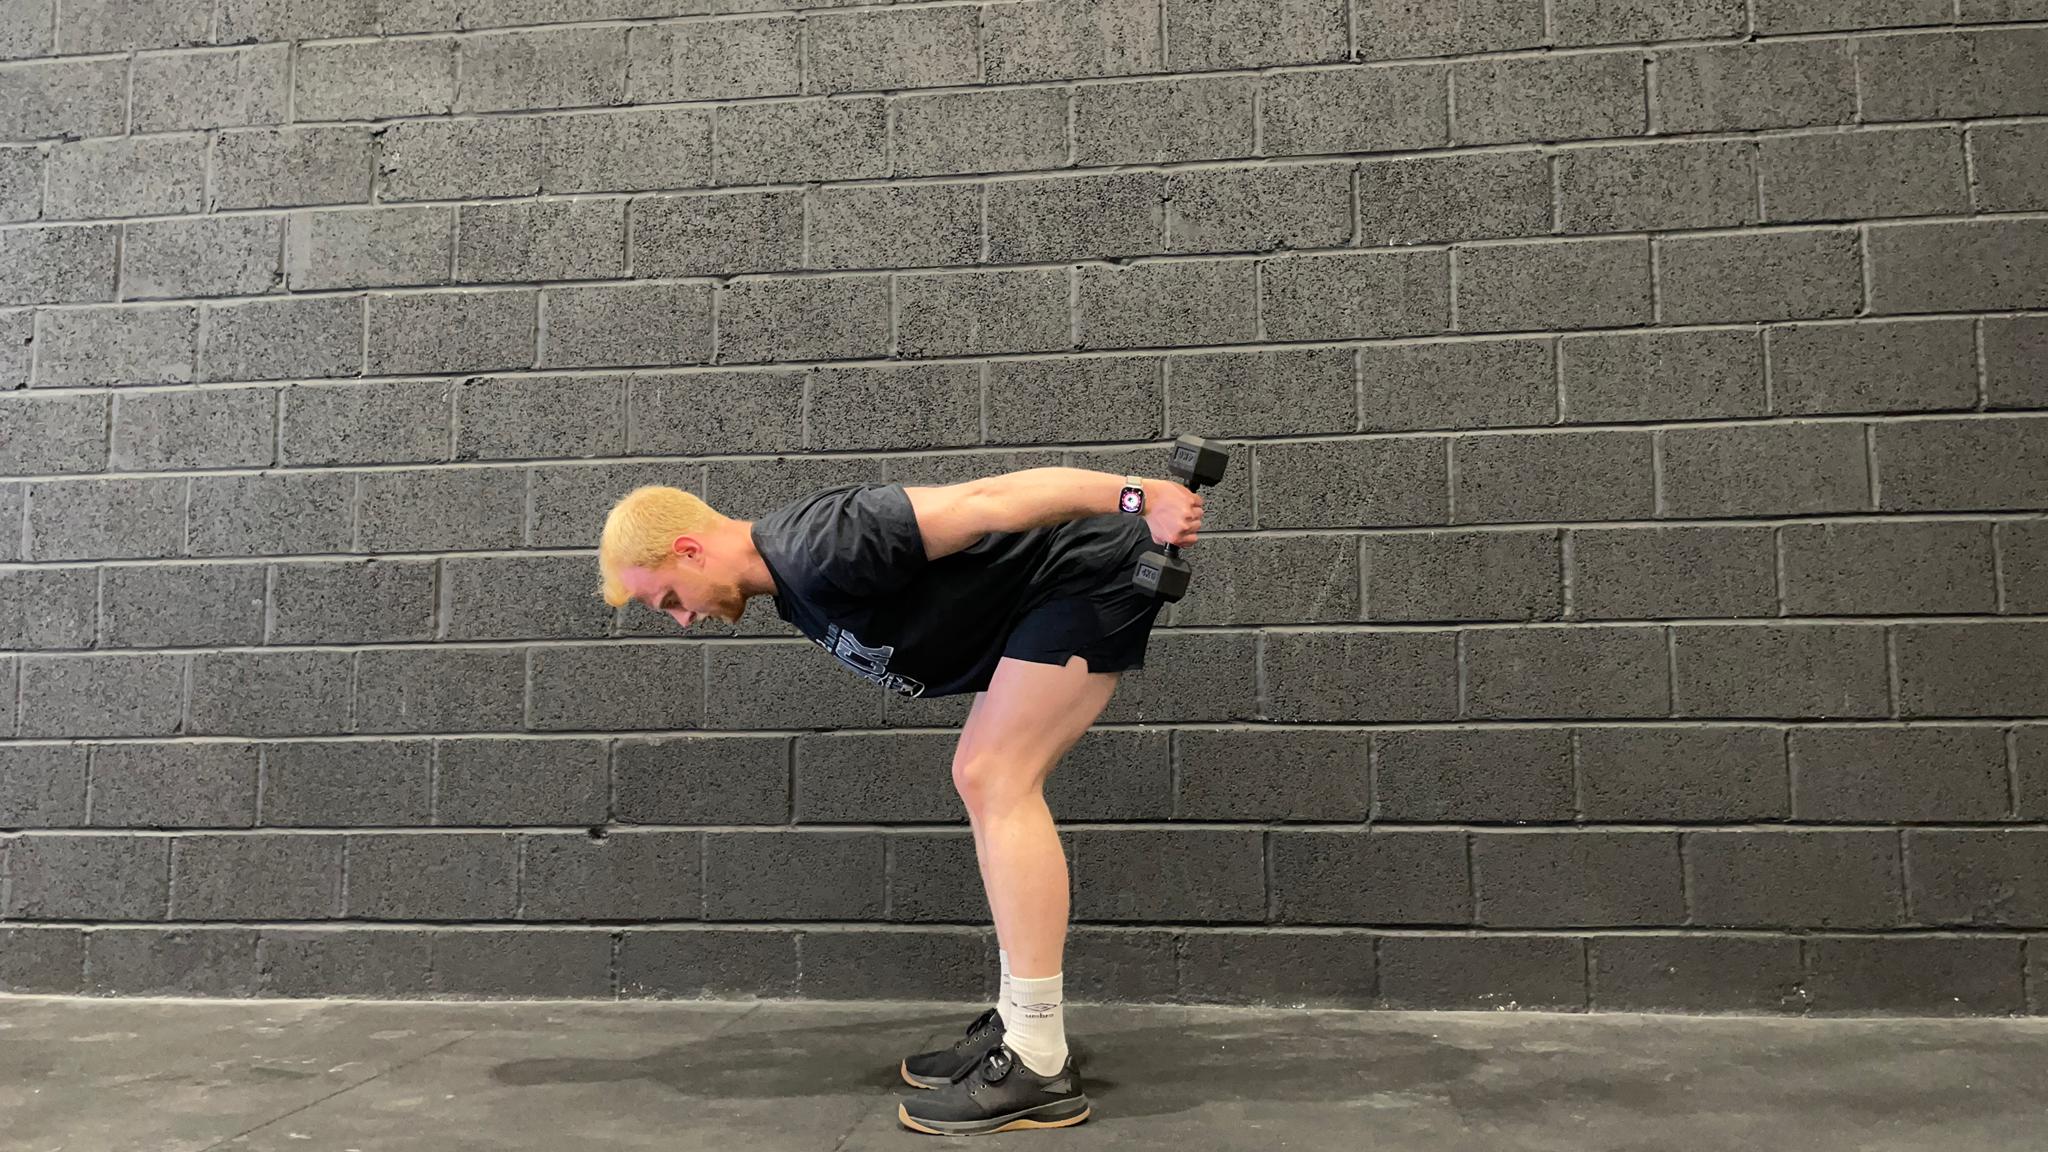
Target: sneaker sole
913,1081
988,1127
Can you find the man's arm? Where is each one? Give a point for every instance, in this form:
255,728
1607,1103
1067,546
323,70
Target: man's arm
953,517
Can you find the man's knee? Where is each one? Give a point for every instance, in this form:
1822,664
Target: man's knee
986,779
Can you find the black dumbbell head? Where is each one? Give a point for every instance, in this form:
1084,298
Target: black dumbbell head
1198,461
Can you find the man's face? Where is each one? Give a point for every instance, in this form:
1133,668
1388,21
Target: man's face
687,590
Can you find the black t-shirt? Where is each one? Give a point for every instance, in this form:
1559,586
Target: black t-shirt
850,573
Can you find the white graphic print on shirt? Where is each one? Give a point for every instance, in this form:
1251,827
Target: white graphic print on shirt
871,662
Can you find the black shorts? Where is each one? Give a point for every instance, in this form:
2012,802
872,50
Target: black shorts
1107,627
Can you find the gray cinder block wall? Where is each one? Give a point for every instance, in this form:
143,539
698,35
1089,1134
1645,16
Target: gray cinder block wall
1630,589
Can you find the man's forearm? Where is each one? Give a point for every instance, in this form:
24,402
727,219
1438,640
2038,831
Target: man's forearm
1035,497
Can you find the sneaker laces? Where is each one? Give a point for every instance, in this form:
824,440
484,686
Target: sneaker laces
988,1019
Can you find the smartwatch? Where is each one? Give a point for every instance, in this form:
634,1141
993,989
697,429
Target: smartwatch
1132,498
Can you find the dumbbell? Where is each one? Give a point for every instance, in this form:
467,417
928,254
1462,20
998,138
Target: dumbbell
1195,462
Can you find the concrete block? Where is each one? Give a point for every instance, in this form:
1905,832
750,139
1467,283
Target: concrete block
896,226
1289,580
1994,669
553,240
714,60
1777,84
44,434
550,782
1712,471
1695,972
1393,30
1228,775
1760,275
1697,773
802,140
1924,975
269,693
17,340
698,963
983,313
174,785
883,777
42,960
1942,76
209,256
256,877
1155,305
1888,569
1778,17
176,961
243,21
2007,159
1361,676
28,29
527,417
1058,401
839,318
307,962
102,347
1994,11
718,235
12,499
89,26
1262,393
707,412
339,784
1418,877
1797,671
642,324
216,428
282,167
921,406
551,68
1439,198
1373,294
1651,187
1554,284
440,690
790,875
1962,465
1494,971
114,877
181,606
1060,39
1576,879
522,597
570,694
1794,879
1260,210
48,99
946,964
48,608
1882,776
749,489
42,786
1425,576
1662,376
1468,384
21,184
453,331
1659,573
1198,676
702,780
623,875
424,511
352,602
1211,35
893,48
1114,775
975,132
785,685
1552,476
283,339
389,422
355,248
627,151
1306,969
1828,177
1607,22
224,88
1581,670
104,519
933,879
458,159
569,503
1977,877
1167,875
529,964
277,515
1164,121
1346,484
2023,563
57,265
1076,217
1990,264
375,79
1540,98
433,876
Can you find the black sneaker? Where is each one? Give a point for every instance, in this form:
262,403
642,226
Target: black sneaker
940,1067
999,1094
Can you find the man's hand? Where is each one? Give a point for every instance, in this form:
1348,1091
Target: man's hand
1173,512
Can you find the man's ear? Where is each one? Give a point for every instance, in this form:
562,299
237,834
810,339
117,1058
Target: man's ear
688,547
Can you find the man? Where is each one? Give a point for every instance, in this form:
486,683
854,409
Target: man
1016,588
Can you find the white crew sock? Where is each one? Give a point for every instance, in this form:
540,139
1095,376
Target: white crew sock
1035,1027
1003,989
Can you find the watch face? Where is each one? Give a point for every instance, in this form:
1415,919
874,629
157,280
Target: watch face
1133,499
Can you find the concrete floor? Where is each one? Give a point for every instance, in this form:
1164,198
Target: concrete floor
298,1076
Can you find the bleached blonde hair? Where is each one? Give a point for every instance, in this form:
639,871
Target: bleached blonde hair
641,529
